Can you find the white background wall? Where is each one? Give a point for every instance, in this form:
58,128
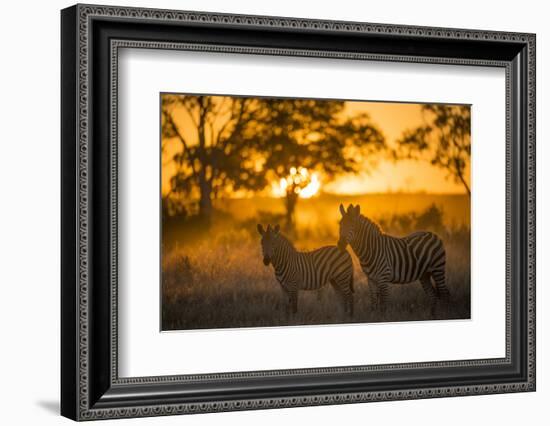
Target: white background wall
29,212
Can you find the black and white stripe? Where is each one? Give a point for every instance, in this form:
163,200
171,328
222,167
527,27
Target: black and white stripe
296,270
391,260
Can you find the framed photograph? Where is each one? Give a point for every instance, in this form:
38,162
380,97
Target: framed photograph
263,212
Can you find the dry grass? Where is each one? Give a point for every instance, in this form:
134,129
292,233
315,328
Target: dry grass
220,281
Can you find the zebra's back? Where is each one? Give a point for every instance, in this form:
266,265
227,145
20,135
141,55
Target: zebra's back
410,257
320,266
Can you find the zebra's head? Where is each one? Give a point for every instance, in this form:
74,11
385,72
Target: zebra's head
348,224
269,241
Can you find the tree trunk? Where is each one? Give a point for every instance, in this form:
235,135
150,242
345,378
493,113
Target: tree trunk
290,203
205,201
205,185
458,169
465,184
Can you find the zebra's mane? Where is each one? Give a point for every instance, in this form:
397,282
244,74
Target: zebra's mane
285,241
371,224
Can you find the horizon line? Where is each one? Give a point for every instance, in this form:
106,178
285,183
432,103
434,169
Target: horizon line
335,194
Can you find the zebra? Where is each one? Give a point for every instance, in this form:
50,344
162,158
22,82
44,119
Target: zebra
296,270
391,260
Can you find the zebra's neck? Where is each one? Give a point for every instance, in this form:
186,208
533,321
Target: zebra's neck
365,239
283,251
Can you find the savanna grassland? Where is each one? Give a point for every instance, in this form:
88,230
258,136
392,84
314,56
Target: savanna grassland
214,277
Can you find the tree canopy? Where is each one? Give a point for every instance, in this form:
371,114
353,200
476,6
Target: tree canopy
444,140
239,143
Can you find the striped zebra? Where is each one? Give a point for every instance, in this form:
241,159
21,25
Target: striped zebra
391,260
310,270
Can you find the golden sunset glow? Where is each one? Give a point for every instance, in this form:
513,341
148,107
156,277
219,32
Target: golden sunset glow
305,184
236,171
407,176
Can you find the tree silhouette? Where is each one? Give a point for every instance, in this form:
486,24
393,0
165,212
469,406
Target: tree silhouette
214,156
298,183
314,135
237,143
444,140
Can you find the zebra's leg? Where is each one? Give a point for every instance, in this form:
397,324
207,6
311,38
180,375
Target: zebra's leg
319,294
350,297
343,288
382,288
293,300
430,292
373,293
438,275
383,293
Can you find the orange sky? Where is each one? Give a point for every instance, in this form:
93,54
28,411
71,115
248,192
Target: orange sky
388,176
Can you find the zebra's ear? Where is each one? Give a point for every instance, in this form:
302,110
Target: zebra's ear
350,208
276,228
342,210
357,210
261,229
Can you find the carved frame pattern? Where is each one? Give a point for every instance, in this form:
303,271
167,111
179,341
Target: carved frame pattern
85,14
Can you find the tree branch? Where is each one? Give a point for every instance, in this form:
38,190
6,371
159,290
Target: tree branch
464,183
190,113
183,141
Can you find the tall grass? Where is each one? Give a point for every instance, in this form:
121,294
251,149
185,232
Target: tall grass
217,279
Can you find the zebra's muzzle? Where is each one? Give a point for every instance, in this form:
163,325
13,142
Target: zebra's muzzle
267,261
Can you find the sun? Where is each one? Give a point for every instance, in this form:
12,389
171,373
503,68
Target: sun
299,181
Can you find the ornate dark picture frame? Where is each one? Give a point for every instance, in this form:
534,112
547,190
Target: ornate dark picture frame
90,385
